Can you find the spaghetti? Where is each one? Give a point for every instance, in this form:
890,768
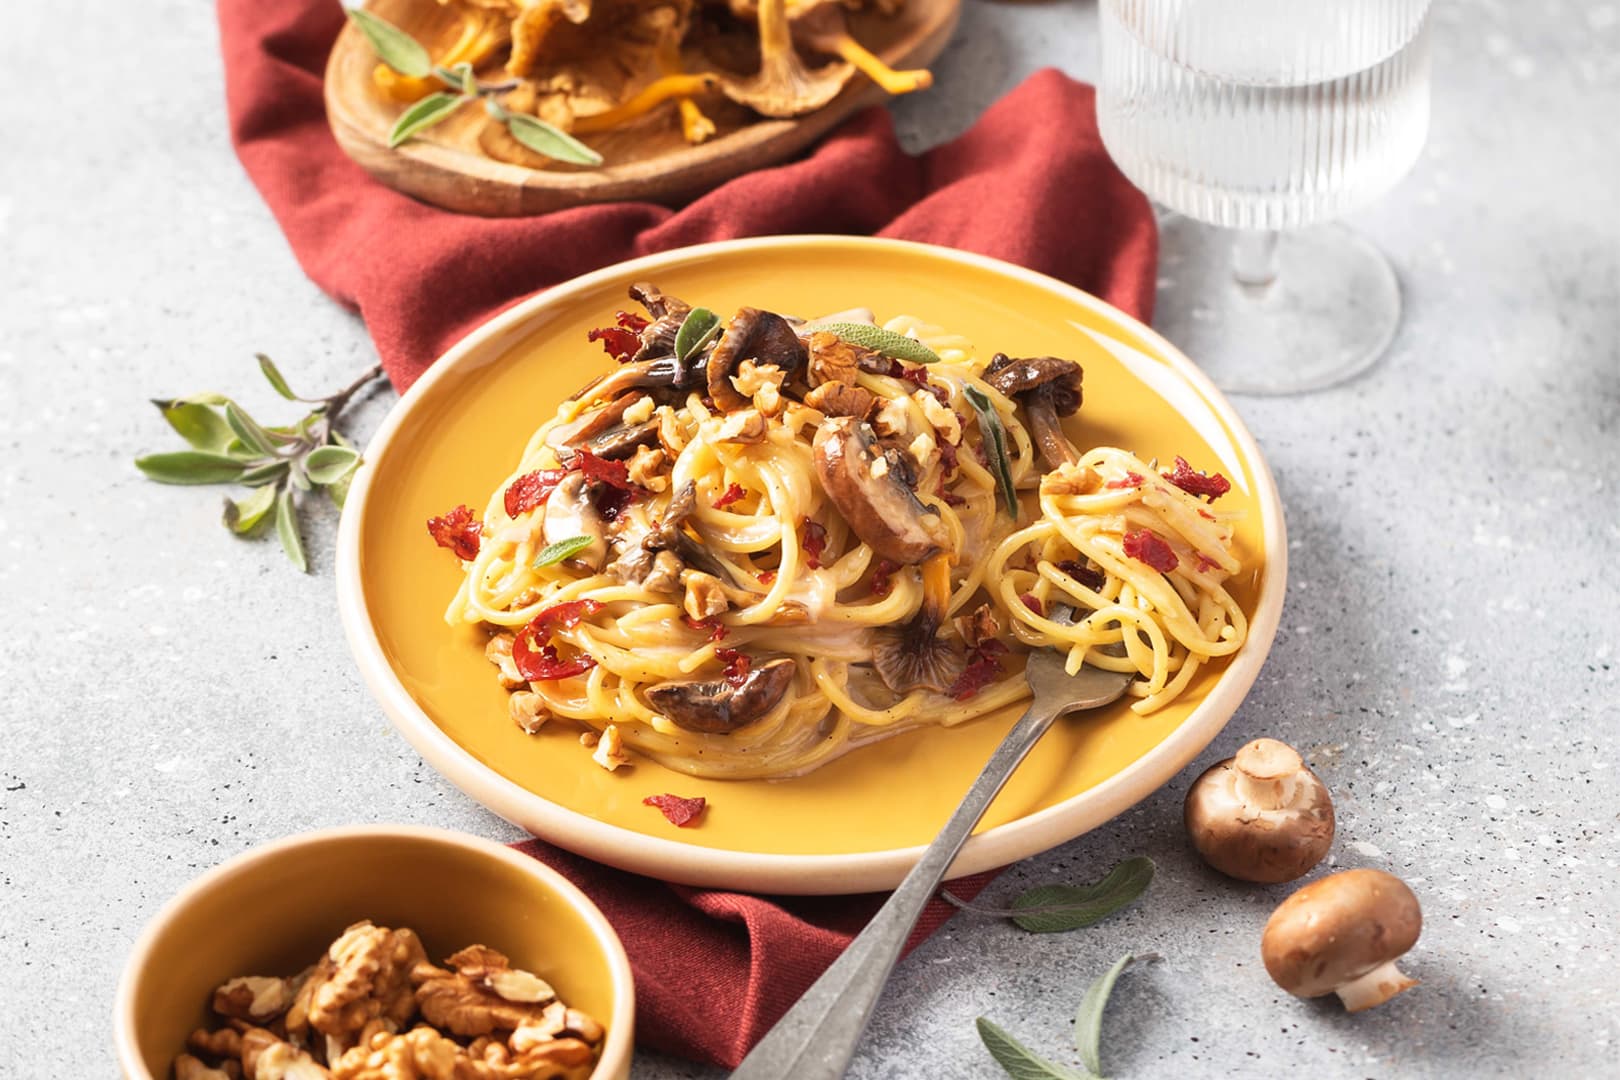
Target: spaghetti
743,553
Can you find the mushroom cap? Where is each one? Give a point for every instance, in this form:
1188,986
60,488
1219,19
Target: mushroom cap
1059,379
1337,929
882,509
761,336
718,707
1260,816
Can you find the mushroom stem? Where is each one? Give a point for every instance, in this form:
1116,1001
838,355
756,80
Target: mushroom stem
1048,431
1266,774
695,126
936,575
481,34
1375,987
650,97
894,82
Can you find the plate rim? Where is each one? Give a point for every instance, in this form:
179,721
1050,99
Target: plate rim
804,874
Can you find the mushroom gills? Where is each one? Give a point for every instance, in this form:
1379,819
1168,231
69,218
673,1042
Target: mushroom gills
717,707
914,656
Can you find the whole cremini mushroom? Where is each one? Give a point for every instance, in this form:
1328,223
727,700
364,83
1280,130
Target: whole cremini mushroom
1262,815
1342,935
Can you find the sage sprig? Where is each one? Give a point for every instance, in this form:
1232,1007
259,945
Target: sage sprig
994,435
878,339
700,327
1048,909
1022,1063
228,446
552,554
404,54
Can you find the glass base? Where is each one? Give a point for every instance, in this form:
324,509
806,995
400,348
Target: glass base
1275,315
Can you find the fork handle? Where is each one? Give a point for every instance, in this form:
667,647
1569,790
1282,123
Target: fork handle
816,1039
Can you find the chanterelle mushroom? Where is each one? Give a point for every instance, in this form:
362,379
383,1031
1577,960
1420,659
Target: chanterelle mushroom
720,706
1049,389
1262,815
783,86
1342,935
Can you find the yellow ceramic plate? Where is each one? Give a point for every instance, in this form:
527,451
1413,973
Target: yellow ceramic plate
860,822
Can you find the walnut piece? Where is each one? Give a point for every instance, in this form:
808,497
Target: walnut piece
187,1067
499,653
705,595
1071,480
610,749
265,1056
763,383
892,417
528,711
941,416
978,627
647,469
832,359
364,976
834,398
743,426
462,1000
254,997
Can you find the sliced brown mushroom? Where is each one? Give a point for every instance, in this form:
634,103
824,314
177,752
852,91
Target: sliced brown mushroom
668,313
761,336
872,493
588,425
1049,389
664,373
783,86
570,513
670,535
717,706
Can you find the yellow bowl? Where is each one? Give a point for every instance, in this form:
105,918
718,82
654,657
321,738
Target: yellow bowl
275,908
857,823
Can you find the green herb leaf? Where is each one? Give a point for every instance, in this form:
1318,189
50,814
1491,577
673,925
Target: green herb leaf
698,329
995,444
554,143
190,467
1053,908
207,397
253,437
1020,1062
329,464
273,376
460,77
298,478
1088,1021
424,114
884,341
338,490
552,554
262,473
392,45
244,516
287,529
198,424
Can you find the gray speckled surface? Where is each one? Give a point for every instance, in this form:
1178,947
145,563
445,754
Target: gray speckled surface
1448,657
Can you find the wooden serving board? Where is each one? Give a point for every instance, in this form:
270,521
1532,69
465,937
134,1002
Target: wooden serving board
651,161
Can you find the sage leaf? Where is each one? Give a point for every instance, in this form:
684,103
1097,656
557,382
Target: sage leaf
460,77
1018,1060
880,340
190,467
424,114
243,516
338,490
329,464
698,329
207,397
273,376
1054,908
1088,1021
297,477
198,424
287,529
552,554
994,434
262,473
553,143
247,429
392,45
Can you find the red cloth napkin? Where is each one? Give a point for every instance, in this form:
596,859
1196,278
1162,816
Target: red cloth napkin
1030,183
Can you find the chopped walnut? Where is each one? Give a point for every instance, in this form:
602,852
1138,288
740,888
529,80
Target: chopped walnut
705,595
880,467
610,749
499,652
528,711
841,399
763,383
832,359
638,412
265,1056
665,575
941,416
365,975
589,739
1071,480
923,450
224,1043
978,627
467,1001
187,1067
742,426
254,997
647,469
671,436
418,1054
892,417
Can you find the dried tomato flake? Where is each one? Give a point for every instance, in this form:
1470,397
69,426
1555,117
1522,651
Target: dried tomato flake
767,577
1130,480
564,616
617,342
531,489
732,494
918,376
1193,482
947,496
947,458
543,664
679,811
630,321
458,530
1033,604
1206,564
1085,575
983,667
882,577
813,539
714,628
1145,545
600,470
737,665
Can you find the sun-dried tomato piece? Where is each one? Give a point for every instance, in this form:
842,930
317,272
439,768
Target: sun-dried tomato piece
918,376
1193,482
1033,604
1206,564
1085,575
617,342
713,627
731,495
678,810
947,496
564,616
531,489
1145,545
813,539
458,530
767,577
1129,480
533,653
983,668
883,577
614,491
947,458
737,664
630,321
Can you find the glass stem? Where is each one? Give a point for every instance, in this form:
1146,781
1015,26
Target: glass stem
1254,257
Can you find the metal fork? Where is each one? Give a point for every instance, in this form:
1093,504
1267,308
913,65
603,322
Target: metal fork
816,1039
